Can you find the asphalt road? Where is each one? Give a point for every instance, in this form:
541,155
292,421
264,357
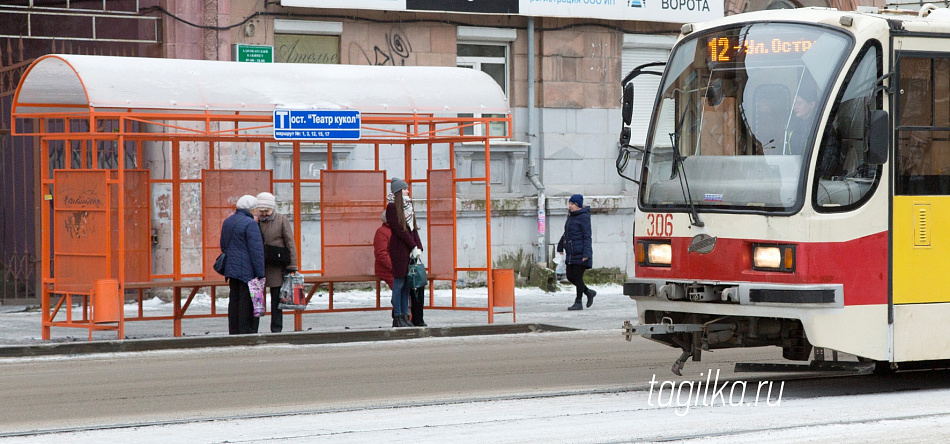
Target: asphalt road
144,387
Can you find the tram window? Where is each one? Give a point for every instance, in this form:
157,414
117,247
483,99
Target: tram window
843,175
923,151
772,104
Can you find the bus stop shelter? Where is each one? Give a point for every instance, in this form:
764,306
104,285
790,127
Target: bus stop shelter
141,153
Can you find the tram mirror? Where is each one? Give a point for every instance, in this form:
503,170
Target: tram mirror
877,137
627,106
625,137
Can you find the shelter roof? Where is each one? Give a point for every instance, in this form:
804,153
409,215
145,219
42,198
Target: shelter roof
57,82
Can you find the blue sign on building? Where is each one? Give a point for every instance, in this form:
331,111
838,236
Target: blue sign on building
291,124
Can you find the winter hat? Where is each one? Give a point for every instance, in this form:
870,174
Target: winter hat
397,185
247,202
266,201
577,199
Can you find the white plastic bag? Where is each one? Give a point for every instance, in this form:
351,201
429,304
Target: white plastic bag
561,268
292,296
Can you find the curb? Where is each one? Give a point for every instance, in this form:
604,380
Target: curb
391,334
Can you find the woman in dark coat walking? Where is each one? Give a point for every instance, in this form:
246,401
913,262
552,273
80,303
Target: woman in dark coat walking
576,240
243,247
404,243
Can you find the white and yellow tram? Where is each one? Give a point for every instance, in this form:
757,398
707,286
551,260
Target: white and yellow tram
795,186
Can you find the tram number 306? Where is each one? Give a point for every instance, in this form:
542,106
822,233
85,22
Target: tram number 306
659,224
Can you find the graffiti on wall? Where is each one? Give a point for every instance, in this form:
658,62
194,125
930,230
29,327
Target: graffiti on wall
393,52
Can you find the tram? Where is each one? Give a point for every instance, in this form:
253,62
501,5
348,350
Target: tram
794,187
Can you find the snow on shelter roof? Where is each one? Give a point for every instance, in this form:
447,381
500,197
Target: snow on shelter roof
154,84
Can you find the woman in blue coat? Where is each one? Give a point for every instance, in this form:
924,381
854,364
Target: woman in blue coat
576,241
243,247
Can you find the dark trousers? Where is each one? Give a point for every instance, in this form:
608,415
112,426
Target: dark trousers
417,300
241,319
276,314
575,274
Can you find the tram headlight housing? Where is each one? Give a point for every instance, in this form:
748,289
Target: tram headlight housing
654,253
772,257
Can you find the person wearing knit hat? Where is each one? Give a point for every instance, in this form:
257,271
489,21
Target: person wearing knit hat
243,248
247,202
280,253
397,185
577,199
404,244
576,242
266,200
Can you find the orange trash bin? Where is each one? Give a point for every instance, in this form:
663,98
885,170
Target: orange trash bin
106,304
504,287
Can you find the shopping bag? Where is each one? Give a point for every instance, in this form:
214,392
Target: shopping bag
561,269
256,286
292,296
417,274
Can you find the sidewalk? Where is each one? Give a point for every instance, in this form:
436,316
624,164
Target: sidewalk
21,325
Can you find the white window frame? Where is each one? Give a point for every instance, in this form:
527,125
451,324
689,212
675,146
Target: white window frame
476,36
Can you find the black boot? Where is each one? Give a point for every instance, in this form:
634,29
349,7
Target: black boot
577,305
590,296
405,321
395,320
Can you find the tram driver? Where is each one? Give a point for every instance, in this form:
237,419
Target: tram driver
801,123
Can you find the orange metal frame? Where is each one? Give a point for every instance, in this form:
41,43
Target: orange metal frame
125,129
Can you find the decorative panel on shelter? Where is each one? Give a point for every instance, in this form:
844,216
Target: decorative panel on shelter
441,209
81,241
138,247
220,191
351,203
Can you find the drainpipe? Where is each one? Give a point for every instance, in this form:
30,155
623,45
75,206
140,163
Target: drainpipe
533,152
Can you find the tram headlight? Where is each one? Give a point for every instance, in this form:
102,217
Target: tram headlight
654,253
773,257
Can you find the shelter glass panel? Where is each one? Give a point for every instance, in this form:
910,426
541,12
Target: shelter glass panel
163,211
194,159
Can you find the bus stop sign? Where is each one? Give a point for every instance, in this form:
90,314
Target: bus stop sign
291,124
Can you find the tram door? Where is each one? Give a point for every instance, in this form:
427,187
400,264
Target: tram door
921,202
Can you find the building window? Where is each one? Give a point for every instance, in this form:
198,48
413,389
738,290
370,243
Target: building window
487,50
297,41
637,50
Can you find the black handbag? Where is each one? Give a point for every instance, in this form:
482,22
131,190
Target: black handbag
219,263
274,255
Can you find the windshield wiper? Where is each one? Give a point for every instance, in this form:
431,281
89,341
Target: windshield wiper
679,165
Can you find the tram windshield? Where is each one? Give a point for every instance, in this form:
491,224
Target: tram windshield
738,116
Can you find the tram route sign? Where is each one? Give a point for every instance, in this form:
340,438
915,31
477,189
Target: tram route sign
292,124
